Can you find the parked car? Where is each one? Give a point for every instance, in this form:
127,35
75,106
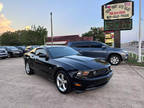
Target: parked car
3,53
22,48
67,68
29,48
100,50
13,51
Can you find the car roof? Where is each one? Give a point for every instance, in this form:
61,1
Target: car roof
81,41
51,46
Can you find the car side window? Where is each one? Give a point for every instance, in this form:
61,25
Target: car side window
37,52
40,51
96,45
43,52
81,45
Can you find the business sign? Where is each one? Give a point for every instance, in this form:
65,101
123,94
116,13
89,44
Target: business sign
115,11
109,37
125,24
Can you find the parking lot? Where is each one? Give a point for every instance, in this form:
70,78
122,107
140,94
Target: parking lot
17,90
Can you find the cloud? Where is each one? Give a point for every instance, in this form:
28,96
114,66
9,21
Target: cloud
5,24
1,7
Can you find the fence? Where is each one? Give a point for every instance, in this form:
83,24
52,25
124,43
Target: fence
135,56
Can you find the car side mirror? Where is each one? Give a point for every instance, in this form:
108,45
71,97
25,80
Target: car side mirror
43,55
103,47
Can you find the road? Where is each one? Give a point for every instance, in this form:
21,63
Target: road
18,90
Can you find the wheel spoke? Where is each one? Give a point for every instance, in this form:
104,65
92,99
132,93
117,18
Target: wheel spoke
62,76
64,86
64,81
59,78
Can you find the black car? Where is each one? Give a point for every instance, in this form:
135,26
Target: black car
22,48
67,68
13,51
100,50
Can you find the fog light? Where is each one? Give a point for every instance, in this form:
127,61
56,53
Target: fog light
77,85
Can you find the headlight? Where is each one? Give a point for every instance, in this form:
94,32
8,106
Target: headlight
82,73
125,51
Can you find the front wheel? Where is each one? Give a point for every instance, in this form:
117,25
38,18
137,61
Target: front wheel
115,59
63,83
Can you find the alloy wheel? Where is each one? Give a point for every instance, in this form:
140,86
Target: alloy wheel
61,82
114,60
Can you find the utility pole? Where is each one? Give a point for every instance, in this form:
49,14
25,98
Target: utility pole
140,41
51,29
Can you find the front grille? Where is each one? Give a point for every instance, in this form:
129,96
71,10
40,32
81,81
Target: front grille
3,54
1,51
97,73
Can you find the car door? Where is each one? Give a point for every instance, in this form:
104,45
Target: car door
97,50
41,63
82,47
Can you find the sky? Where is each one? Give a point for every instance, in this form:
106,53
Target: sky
70,17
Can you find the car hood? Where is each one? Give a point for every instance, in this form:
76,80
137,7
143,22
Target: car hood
116,49
81,63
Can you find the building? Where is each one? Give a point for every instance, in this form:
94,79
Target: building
62,40
135,43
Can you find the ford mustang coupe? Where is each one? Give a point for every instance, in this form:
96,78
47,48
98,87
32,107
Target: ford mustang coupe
67,68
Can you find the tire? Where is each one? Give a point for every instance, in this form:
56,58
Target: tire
114,59
10,55
63,82
4,57
28,70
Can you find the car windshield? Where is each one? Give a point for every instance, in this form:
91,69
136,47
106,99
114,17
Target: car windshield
57,52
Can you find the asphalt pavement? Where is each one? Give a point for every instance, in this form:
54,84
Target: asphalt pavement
18,90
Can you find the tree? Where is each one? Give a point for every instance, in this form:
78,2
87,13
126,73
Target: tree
97,33
35,36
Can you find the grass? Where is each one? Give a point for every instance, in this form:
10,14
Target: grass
132,60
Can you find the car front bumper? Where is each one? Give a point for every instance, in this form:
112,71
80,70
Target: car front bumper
124,57
82,84
3,55
16,54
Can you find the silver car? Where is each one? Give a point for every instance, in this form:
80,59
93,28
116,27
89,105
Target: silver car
3,53
100,50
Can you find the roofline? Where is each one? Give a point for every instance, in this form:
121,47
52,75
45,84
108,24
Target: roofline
63,36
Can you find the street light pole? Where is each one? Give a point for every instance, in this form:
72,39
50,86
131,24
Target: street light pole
140,41
51,29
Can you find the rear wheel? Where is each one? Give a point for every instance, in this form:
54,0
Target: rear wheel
28,70
115,59
63,83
